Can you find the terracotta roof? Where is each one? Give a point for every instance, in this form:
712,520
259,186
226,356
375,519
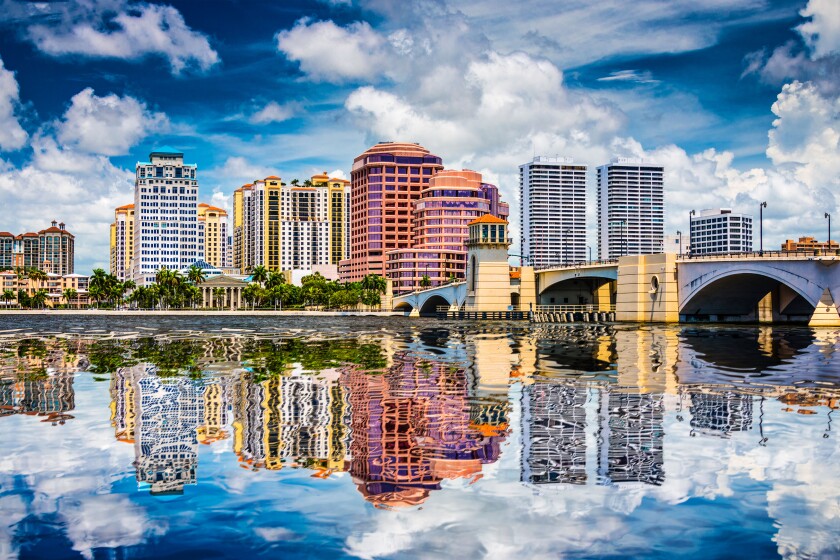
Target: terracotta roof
6,234
488,219
125,207
273,177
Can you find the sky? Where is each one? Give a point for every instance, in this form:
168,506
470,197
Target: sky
738,99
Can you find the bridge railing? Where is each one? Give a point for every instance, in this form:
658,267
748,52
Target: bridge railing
802,254
470,308
586,308
576,264
421,290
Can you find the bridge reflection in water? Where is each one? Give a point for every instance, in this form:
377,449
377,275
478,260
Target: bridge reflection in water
410,412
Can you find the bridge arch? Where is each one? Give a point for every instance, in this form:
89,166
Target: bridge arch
578,287
736,293
428,308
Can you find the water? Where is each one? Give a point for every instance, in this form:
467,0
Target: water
384,437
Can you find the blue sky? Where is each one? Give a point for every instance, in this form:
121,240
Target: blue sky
739,99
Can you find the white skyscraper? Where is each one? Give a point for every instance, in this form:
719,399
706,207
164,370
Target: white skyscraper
552,192
166,230
631,208
720,231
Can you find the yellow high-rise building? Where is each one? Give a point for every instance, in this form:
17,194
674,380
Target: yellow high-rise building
291,226
216,247
122,242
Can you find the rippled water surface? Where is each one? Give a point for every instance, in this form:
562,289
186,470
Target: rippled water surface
173,437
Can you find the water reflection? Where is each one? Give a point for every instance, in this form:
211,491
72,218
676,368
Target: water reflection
448,426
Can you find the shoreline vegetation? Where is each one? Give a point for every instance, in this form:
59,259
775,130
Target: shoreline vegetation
190,312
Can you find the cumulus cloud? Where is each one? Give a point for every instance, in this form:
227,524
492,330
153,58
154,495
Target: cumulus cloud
69,175
806,134
822,32
118,29
330,53
274,112
108,125
12,134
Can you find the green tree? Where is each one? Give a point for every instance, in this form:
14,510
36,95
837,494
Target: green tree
425,281
196,275
259,274
8,296
39,298
69,295
218,296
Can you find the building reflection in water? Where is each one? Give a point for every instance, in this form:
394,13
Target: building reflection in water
576,433
37,379
413,426
410,412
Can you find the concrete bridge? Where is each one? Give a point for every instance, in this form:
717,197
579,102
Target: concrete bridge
426,302
668,288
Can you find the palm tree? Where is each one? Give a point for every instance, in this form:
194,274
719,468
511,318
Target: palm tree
37,275
259,274
98,285
39,298
425,281
294,182
196,275
275,279
69,295
8,296
218,296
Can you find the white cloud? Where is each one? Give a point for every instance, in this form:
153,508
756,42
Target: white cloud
238,170
117,29
274,112
806,134
629,76
822,32
108,125
329,53
12,135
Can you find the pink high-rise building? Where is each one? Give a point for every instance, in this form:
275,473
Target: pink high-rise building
385,181
440,229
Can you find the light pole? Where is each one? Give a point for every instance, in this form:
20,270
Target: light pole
690,231
589,247
828,243
679,243
761,208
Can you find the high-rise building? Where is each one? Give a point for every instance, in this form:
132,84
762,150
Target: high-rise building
122,242
166,232
51,250
631,209
720,231
290,226
552,191
214,222
446,206
386,179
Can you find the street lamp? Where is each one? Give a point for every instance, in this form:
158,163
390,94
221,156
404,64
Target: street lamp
690,231
589,247
679,243
828,243
761,208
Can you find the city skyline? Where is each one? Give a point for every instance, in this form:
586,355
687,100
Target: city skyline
738,105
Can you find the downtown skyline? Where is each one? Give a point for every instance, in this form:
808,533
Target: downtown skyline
740,105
